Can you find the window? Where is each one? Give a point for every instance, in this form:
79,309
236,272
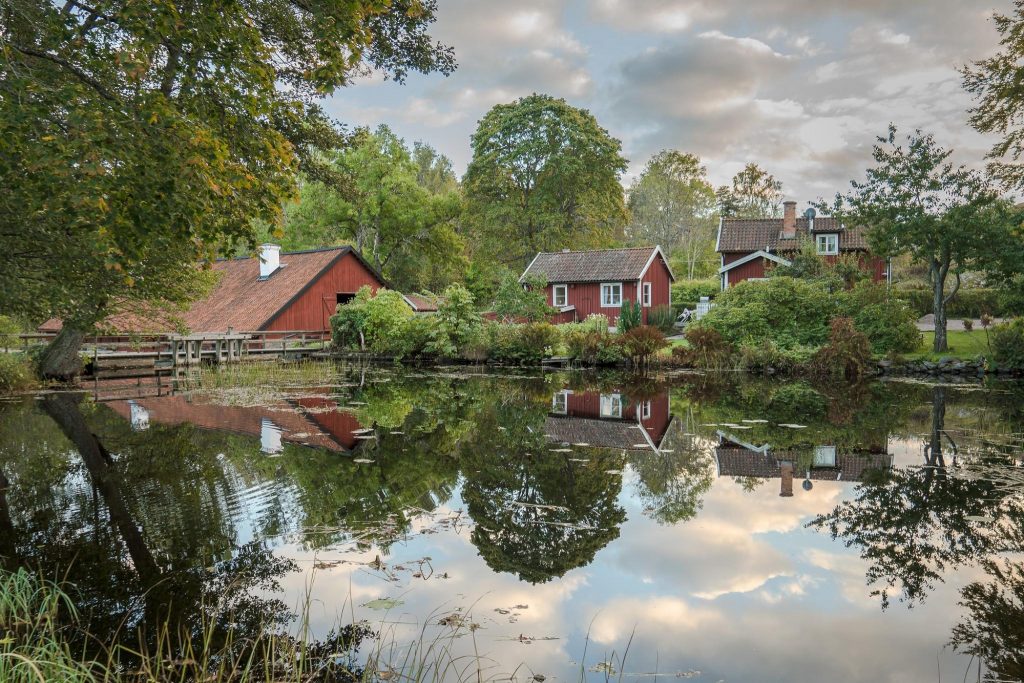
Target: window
560,296
611,295
825,456
645,411
345,297
828,244
560,403
611,405
647,294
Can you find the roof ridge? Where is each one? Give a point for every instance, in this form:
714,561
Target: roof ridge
594,251
315,250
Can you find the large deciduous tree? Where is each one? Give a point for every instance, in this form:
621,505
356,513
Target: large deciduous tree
400,212
915,201
544,176
139,138
755,193
672,204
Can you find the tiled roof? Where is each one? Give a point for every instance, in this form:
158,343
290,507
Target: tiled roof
422,304
606,265
617,434
734,461
752,234
240,300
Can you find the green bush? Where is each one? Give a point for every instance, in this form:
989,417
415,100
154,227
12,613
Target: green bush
9,331
765,356
968,302
687,293
1007,341
590,342
630,316
374,322
661,317
886,320
527,342
847,354
640,344
16,373
514,302
455,324
705,348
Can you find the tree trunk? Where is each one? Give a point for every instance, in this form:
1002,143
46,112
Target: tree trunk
8,549
60,360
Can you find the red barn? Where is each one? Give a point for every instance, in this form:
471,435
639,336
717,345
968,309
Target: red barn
294,291
580,283
747,246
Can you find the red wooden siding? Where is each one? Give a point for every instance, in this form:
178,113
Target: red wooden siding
312,310
757,268
750,269
661,285
586,296
587,404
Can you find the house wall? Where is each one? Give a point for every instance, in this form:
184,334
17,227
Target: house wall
588,405
661,285
312,310
757,268
586,297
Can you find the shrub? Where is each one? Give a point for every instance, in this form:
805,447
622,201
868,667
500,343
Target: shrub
847,354
630,316
969,302
1007,342
521,342
455,324
596,322
514,302
888,321
706,348
376,322
767,357
640,344
687,293
9,330
591,343
662,318
16,373
968,325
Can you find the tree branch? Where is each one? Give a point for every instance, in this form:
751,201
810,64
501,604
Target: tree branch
78,73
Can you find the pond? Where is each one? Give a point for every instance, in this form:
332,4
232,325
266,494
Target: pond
560,525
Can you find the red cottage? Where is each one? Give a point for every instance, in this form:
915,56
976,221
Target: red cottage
297,291
608,420
584,282
747,246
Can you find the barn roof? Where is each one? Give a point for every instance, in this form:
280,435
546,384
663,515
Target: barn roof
242,300
605,265
752,234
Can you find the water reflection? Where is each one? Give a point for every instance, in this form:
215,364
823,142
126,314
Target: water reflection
595,493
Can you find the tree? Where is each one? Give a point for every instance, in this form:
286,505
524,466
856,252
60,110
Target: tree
434,170
914,201
544,176
137,139
403,228
672,204
755,193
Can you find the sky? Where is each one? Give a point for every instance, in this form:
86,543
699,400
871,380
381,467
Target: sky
801,87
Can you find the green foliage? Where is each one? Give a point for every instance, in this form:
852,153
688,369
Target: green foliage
705,348
765,356
456,323
843,271
9,331
847,354
17,373
969,302
147,137
373,322
590,344
887,321
663,318
1007,341
544,176
687,293
641,344
522,343
673,205
516,302
755,193
630,316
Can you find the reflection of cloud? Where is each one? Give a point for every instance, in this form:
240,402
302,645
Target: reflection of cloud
617,619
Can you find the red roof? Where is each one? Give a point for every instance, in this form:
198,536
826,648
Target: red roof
754,234
422,304
604,265
241,300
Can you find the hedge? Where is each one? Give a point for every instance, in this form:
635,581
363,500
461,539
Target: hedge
686,293
968,303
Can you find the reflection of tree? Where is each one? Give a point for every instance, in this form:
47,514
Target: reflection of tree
538,514
911,524
993,629
672,483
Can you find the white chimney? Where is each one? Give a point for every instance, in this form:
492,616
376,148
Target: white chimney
270,259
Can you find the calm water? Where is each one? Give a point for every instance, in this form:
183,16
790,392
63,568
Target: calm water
570,517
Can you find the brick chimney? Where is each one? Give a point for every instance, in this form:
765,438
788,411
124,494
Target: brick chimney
786,470
788,220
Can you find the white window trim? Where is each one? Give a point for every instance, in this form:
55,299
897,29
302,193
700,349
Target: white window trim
824,456
647,295
554,295
611,284
645,411
831,239
613,403
560,402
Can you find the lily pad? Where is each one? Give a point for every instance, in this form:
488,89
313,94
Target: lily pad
383,603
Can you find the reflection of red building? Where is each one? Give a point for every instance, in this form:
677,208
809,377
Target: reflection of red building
825,462
310,421
608,420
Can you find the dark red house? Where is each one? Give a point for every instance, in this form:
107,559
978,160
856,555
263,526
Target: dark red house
293,291
580,283
608,420
748,247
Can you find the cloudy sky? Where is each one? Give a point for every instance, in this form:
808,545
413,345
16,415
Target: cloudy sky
801,87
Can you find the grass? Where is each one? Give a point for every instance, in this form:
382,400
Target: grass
962,345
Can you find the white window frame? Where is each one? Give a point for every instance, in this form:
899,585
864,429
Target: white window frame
611,406
560,402
564,290
647,294
825,456
830,241
606,302
645,410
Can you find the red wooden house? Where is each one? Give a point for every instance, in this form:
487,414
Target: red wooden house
293,291
749,247
580,283
608,420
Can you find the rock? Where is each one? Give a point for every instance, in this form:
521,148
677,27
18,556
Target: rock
885,363
928,365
